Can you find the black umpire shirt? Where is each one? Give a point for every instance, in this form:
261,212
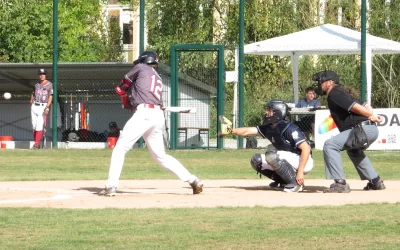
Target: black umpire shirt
340,103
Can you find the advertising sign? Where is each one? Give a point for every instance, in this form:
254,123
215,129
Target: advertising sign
389,129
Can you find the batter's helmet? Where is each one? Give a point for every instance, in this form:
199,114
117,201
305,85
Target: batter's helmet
148,57
280,108
42,71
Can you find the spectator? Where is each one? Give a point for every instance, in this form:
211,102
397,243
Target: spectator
306,123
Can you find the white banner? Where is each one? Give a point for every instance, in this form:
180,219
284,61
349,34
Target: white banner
389,129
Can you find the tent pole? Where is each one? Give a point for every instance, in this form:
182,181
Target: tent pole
368,55
295,74
235,90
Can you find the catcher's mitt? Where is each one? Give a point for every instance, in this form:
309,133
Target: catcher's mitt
226,125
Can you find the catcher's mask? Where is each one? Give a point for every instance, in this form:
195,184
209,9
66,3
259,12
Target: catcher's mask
148,57
322,77
280,111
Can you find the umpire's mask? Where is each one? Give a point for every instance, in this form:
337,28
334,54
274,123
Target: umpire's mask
322,77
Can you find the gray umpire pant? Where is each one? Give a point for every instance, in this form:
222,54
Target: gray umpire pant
333,160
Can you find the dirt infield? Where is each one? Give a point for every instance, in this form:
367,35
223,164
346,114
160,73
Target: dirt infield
174,193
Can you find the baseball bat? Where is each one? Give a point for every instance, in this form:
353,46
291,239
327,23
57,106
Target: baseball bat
87,112
44,138
180,110
71,118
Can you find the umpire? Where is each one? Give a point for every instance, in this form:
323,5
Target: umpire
347,114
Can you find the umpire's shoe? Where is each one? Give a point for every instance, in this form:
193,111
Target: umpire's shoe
338,188
377,186
108,191
197,186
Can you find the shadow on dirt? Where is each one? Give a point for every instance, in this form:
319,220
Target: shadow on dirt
307,189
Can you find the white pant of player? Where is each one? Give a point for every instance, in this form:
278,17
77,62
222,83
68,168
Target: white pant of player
292,158
37,116
148,123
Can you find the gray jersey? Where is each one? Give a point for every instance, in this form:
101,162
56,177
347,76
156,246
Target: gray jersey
146,86
42,92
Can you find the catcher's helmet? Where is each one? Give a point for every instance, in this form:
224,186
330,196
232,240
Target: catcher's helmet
280,108
42,72
148,57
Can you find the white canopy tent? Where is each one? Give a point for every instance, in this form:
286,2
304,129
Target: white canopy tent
327,39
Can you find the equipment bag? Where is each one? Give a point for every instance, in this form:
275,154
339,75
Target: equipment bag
357,139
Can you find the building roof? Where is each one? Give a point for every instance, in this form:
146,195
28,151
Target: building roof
19,78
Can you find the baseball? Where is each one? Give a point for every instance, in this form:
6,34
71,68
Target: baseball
7,95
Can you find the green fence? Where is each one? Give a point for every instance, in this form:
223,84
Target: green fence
197,80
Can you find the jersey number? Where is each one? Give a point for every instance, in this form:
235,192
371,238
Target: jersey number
156,87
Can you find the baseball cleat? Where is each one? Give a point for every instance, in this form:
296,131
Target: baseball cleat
34,147
108,191
277,185
338,188
197,186
290,188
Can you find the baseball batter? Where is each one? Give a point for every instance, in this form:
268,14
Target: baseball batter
288,158
141,91
41,99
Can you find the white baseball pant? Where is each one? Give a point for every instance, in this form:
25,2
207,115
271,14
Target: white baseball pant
149,123
292,158
37,116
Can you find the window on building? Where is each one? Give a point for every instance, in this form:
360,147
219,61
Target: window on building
127,33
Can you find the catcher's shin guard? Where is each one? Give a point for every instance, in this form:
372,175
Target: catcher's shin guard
256,164
281,167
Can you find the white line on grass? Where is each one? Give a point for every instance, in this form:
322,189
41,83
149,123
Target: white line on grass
57,197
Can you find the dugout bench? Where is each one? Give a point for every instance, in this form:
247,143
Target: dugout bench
200,131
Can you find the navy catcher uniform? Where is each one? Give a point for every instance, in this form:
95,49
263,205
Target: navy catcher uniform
347,113
41,99
288,157
141,91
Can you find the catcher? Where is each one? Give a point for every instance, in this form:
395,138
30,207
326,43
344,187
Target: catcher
288,158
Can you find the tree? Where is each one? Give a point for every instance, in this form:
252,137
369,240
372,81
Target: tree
26,34
384,21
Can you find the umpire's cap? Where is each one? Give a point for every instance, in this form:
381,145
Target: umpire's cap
42,72
148,57
326,75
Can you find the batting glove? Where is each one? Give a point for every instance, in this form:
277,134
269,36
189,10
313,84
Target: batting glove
226,125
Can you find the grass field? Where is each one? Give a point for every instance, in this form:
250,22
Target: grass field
372,226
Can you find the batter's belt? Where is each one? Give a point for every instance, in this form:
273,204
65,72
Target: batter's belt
149,106
39,104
